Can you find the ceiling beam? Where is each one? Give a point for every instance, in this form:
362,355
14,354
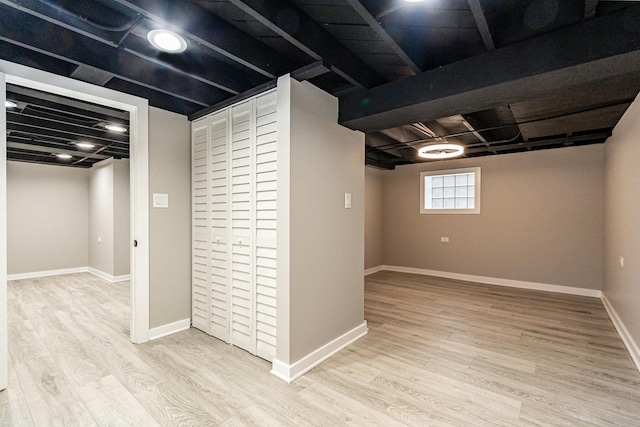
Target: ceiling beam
593,138
311,38
44,130
56,14
589,52
200,25
382,33
381,159
311,71
54,150
204,68
31,33
481,22
51,101
590,7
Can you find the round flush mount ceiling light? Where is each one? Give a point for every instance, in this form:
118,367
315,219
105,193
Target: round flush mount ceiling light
167,41
64,156
115,128
86,145
10,104
441,151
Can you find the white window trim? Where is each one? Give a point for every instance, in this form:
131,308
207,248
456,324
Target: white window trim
474,211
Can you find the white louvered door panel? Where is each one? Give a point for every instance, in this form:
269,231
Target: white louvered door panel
219,225
265,160
242,327
234,224
200,225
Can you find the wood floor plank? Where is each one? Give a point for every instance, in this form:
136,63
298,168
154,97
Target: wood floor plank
13,391
51,398
26,344
16,413
111,404
439,352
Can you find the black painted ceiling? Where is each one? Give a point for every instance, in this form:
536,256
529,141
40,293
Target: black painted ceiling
497,76
42,125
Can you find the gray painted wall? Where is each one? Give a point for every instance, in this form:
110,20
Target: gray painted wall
101,217
109,217
169,229
622,212
122,218
47,217
321,293
374,181
541,221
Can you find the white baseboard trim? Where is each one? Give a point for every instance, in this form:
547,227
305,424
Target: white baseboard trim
499,282
171,328
627,339
108,277
372,270
291,372
46,273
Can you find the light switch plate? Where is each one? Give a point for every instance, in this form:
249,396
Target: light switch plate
347,200
160,200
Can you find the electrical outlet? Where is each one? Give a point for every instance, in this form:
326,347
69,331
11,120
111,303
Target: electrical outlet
444,239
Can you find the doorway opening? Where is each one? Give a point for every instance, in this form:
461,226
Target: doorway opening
137,108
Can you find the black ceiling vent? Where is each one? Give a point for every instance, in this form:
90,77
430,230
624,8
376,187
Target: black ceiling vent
91,75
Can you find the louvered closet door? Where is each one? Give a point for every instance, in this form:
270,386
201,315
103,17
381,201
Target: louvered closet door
219,217
234,225
265,161
242,327
200,225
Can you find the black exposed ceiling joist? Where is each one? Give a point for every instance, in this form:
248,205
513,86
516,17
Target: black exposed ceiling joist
33,34
311,71
156,97
481,21
206,69
51,101
589,52
24,136
55,15
382,33
24,56
381,159
51,150
241,97
45,160
20,124
198,24
594,138
309,36
590,7
194,63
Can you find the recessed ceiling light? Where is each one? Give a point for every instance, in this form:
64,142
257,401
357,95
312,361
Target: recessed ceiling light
64,156
414,1
167,41
115,128
441,151
85,145
10,104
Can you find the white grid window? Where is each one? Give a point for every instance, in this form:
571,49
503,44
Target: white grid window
451,191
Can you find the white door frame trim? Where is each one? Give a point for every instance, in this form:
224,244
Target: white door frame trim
4,352
138,109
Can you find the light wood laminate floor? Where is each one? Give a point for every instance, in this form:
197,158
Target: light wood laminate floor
439,352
